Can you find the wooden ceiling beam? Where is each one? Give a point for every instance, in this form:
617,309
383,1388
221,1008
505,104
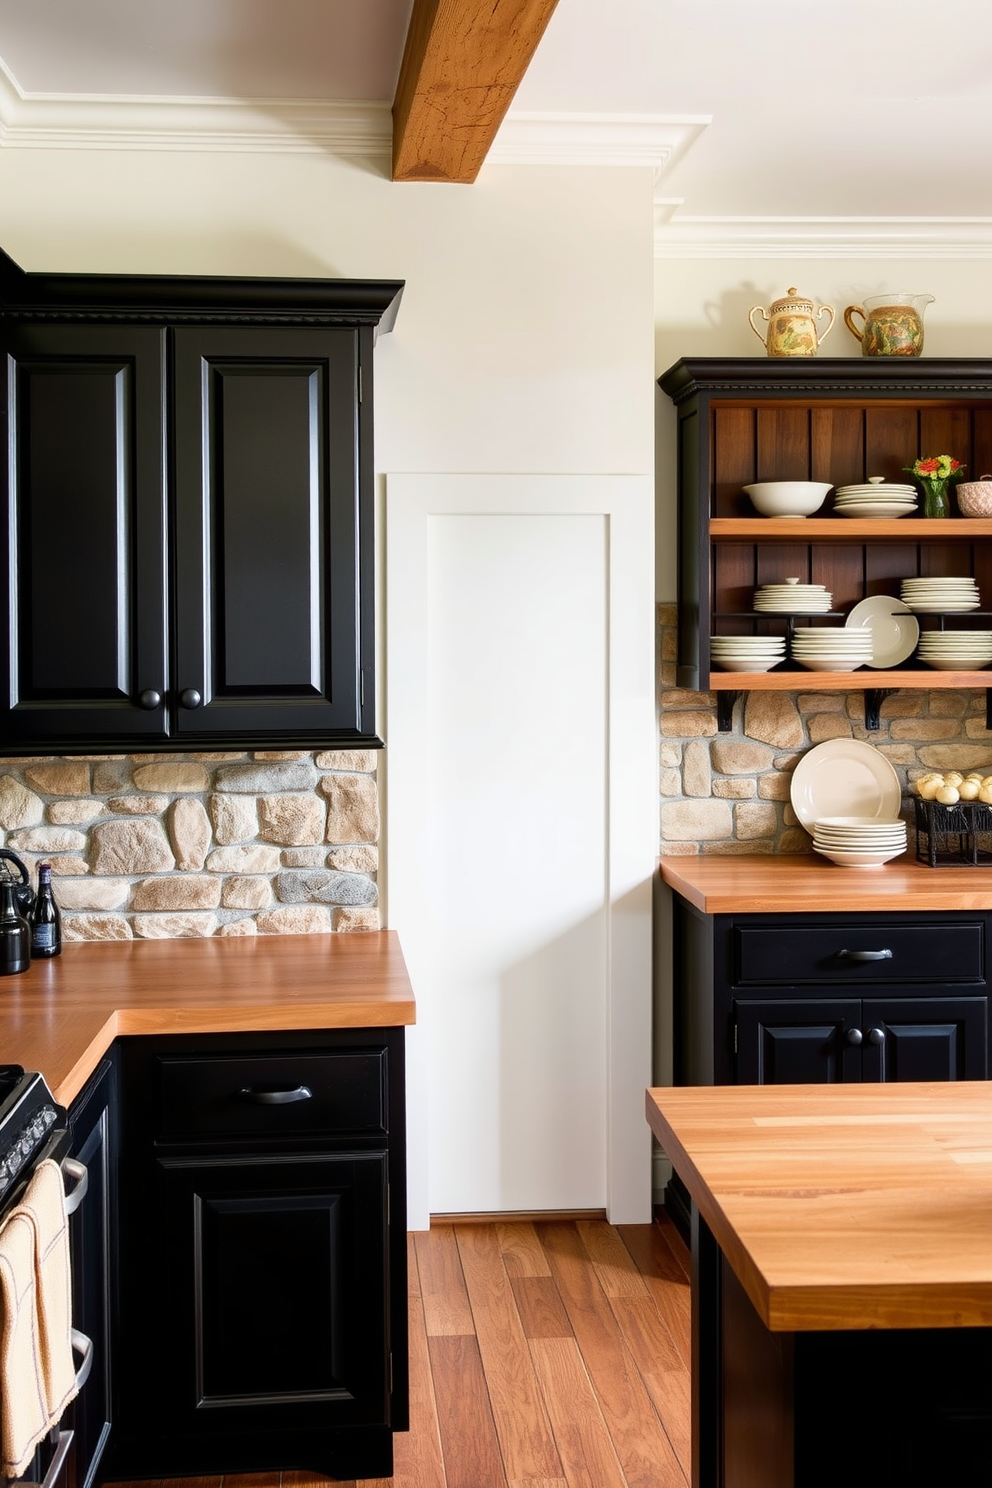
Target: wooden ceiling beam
462,64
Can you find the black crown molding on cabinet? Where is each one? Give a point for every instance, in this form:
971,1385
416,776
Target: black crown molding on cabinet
848,376
189,299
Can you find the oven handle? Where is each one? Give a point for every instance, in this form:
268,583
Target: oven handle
77,1170
84,1348
55,1466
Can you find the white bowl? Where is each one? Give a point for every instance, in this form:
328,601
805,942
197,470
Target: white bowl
859,859
788,498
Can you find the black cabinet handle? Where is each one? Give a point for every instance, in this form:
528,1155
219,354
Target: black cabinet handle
884,955
150,698
855,1036
876,1035
190,698
276,1097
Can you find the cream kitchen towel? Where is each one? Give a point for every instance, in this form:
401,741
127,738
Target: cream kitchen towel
44,1204
24,1414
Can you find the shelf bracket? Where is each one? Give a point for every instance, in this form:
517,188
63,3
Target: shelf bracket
725,711
874,698
988,707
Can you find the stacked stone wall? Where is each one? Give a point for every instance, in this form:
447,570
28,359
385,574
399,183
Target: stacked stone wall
169,846
729,792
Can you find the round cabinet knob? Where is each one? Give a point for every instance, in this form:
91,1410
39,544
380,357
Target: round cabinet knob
855,1036
150,698
190,698
876,1035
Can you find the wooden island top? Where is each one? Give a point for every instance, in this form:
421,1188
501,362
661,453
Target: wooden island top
799,884
843,1206
61,1015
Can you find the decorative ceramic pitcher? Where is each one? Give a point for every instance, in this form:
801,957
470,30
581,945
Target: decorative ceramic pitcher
892,324
792,327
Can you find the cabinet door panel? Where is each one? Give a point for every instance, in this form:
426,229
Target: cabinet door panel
86,616
275,1294
784,1042
273,546
939,1038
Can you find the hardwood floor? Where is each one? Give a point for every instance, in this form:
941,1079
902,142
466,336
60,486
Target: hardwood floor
545,1355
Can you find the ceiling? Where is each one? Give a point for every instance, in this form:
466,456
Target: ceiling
838,126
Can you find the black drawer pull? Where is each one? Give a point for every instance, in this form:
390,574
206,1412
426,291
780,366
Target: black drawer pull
276,1097
885,955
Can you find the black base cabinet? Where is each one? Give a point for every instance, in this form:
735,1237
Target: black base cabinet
804,1000
263,1244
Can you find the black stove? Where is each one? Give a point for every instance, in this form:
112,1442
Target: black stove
30,1124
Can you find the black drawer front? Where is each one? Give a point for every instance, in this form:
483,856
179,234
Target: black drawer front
860,954
273,1095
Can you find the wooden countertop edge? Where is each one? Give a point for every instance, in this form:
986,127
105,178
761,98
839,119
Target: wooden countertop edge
62,1016
768,884
821,1307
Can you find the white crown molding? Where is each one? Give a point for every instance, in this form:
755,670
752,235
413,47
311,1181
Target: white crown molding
676,236
656,141
91,121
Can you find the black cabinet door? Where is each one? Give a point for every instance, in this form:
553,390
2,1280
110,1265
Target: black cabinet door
926,1038
93,1118
86,616
812,1041
272,1295
273,534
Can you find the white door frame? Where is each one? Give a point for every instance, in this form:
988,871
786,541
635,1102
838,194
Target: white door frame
626,504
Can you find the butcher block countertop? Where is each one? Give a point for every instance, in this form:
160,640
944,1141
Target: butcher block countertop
843,1206
753,884
61,1015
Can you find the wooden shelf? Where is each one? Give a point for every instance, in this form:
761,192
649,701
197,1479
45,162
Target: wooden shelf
843,529
863,679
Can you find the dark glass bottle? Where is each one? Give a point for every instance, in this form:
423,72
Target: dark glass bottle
46,922
15,933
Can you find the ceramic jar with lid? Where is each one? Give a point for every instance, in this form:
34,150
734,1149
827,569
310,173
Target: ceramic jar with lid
792,325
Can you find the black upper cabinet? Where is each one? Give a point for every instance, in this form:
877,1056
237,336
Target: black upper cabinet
190,512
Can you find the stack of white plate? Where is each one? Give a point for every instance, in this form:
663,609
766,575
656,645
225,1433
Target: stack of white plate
937,596
875,497
793,598
955,650
747,653
859,841
834,650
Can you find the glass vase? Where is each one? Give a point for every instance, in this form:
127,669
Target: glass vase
936,495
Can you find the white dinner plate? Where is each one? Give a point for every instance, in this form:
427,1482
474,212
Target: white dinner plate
844,777
894,628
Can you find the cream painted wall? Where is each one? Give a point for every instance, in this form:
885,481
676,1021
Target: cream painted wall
524,339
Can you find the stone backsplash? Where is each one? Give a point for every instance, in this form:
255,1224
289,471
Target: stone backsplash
729,792
166,846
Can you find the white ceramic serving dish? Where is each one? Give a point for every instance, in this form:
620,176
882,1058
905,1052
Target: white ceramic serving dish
859,859
788,498
892,625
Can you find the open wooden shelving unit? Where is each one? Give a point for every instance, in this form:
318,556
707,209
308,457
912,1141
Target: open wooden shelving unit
836,420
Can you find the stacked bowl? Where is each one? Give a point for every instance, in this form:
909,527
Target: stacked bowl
940,596
858,841
793,598
875,498
833,650
955,650
747,653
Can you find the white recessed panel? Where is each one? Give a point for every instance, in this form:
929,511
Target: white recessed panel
516,857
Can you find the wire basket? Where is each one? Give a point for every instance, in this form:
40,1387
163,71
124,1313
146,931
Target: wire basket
958,835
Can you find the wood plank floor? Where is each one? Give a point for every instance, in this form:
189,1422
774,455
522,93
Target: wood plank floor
543,1355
